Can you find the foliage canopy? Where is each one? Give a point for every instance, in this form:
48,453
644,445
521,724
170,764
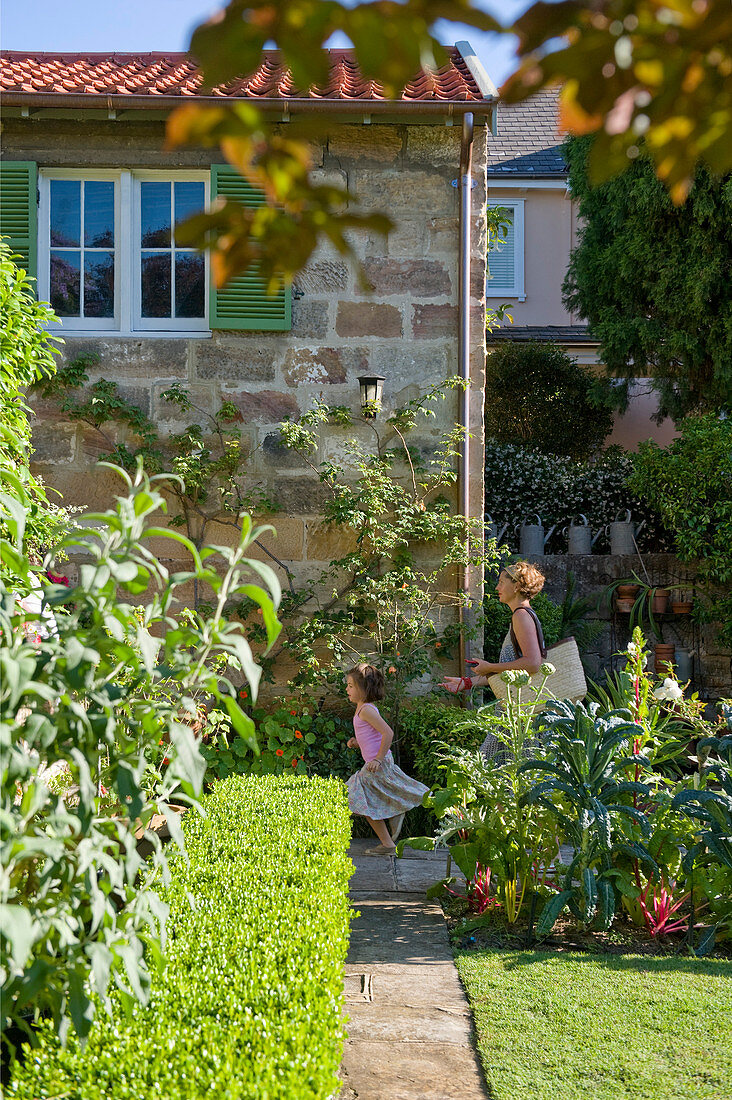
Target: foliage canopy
655,281
536,394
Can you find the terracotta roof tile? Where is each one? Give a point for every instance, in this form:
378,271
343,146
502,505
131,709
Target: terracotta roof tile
176,75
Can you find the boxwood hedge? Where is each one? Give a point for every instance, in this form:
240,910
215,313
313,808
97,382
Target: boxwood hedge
249,1002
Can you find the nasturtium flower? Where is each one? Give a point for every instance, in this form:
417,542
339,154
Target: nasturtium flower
279,752
298,733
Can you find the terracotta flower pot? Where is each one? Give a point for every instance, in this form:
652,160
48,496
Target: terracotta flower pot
663,658
627,591
681,607
624,606
659,603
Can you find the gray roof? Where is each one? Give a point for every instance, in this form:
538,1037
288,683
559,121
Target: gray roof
529,141
545,334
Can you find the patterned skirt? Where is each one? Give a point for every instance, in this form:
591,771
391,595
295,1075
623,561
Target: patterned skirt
384,793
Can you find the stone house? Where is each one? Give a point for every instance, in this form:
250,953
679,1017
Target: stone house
527,175
87,186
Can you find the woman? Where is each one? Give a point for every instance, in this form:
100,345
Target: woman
523,647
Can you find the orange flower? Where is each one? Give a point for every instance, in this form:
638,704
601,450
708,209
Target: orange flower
293,713
243,694
279,752
392,669
294,761
298,733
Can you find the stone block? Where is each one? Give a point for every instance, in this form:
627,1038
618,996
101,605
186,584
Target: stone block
133,357
418,278
93,490
170,417
298,496
263,407
322,277
310,319
379,143
439,145
444,234
275,453
235,359
368,319
407,238
434,322
53,442
328,544
405,364
288,544
400,191
326,365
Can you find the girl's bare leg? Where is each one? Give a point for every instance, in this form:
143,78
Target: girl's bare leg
382,832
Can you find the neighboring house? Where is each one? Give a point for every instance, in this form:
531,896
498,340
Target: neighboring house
89,196
527,175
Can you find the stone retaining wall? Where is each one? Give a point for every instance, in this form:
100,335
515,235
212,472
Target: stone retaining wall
711,664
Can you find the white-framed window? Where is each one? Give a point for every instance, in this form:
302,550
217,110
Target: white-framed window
108,257
506,254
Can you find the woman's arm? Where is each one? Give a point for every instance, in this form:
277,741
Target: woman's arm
374,719
524,628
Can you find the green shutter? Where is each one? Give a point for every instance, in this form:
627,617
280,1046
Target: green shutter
244,303
19,209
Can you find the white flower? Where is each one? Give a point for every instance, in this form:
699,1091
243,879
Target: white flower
633,649
669,691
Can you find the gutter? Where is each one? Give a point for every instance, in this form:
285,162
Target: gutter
464,247
89,101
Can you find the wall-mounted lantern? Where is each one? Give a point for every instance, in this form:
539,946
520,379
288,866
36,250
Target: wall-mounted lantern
372,389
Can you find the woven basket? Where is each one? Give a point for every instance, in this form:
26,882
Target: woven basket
568,682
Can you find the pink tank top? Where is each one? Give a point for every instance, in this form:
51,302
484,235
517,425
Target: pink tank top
369,739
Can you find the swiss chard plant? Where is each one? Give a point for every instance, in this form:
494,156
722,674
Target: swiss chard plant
80,672
708,862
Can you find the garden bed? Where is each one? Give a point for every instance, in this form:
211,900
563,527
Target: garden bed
250,1000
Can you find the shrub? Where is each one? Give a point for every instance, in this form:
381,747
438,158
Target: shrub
537,394
521,482
689,485
250,1002
423,723
90,695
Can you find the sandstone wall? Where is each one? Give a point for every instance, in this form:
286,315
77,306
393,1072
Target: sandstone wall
405,329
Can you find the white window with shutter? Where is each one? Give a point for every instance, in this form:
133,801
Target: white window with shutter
506,253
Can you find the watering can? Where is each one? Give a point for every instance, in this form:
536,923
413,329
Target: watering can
532,539
579,536
622,534
491,529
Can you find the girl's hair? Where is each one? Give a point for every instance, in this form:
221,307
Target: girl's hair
528,579
369,680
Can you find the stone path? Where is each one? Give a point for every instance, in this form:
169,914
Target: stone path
410,1033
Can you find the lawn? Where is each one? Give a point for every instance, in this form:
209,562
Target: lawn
560,1026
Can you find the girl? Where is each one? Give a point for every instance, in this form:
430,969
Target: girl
380,791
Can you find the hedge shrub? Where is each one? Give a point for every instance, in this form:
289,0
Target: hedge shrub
249,1005
424,722
521,482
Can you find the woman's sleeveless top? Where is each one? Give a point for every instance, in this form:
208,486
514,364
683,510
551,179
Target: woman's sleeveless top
511,650
369,739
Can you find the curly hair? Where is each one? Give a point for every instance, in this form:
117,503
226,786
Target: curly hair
369,680
528,579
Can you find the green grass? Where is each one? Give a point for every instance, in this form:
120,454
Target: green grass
565,1026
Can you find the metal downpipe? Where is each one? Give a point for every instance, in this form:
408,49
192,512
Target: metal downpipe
465,185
